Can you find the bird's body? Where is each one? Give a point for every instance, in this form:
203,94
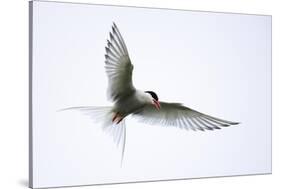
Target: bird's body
132,103
127,100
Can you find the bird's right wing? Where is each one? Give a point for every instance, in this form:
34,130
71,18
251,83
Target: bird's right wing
118,67
177,115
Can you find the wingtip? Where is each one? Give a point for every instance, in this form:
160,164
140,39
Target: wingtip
108,43
110,35
113,29
233,123
64,109
113,23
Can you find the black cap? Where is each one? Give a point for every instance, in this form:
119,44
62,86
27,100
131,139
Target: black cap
153,94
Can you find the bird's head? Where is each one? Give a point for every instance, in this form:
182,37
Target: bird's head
154,99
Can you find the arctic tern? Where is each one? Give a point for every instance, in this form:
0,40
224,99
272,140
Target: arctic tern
127,100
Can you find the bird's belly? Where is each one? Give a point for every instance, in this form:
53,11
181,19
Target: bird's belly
128,106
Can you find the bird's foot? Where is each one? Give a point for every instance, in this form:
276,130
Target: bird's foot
117,118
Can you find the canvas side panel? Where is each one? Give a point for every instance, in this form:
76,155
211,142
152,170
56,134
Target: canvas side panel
30,38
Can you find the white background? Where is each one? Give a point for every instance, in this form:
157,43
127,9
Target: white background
14,156
216,63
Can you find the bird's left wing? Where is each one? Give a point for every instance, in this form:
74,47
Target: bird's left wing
175,114
118,66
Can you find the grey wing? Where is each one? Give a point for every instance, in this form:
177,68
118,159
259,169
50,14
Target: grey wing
118,66
175,114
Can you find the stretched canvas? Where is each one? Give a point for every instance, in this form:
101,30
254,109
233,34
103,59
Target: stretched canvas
131,94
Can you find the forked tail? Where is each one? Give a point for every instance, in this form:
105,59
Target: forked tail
104,115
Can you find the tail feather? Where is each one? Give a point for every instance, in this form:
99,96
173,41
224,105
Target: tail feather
104,115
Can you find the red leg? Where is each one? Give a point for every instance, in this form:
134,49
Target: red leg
114,117
117,117
121,118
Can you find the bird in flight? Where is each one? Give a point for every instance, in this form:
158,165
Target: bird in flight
145,105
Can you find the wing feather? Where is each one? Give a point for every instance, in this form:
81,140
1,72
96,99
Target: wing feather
177,115
120,38
118,66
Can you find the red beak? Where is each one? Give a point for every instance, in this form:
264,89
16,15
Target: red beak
156,104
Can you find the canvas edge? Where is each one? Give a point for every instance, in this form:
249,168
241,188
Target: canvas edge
270,90
158,180
146,7
30,52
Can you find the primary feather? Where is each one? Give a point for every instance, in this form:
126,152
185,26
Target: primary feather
118,67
